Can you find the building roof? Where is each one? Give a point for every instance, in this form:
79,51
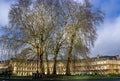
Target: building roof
107,57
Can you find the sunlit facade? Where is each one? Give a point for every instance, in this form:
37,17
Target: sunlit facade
27,67
99,65
102,65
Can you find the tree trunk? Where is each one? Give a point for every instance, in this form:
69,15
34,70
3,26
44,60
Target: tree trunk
48,71
55,60
54,65
46,58
69,58
41,64
40,61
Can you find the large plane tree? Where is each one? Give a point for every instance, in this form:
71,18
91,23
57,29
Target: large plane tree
45,29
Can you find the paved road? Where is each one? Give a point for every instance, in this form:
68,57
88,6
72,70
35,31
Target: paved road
112,79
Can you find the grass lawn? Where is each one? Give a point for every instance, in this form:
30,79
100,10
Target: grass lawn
81,77
65,77
14,76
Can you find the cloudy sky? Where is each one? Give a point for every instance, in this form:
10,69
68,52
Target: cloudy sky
108,40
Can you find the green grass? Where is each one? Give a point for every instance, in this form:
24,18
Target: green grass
81,77
65,77
15,76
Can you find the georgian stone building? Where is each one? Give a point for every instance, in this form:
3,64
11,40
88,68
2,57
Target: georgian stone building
103,65
27,67
99,65
4,65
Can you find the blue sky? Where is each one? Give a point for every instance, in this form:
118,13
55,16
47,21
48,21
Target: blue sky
108,40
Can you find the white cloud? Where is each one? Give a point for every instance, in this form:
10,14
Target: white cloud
4,9
80,1
108,42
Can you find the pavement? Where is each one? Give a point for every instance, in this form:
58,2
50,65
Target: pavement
110,79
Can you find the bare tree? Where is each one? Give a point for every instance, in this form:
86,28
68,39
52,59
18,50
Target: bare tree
81,31
30,26
38,28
